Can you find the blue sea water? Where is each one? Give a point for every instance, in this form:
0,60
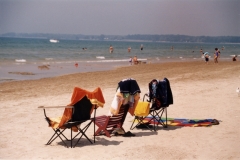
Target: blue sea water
25,55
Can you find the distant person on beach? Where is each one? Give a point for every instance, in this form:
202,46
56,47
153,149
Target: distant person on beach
206,56
201,52
216,55
234,58
135,60
172,48
111,49
130,60
76,64
141,47
129,49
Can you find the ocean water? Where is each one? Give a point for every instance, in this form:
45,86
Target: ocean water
18,55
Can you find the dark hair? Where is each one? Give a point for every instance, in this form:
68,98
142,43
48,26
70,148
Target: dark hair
216,49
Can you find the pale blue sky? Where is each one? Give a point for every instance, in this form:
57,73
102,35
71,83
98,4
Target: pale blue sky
121,17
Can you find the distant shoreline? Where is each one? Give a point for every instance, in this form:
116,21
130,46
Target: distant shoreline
128,38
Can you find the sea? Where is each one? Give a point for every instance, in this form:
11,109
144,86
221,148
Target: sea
33,58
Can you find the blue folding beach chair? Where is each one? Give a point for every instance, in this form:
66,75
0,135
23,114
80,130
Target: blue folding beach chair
160,97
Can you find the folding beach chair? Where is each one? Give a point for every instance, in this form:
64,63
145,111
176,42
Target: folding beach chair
75,114
141,111
160,97
107,124
125,100
160,94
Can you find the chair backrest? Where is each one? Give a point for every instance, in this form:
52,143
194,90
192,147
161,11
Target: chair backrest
161,92
82,110
118,120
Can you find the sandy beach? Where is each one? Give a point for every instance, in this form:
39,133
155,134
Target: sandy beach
199,90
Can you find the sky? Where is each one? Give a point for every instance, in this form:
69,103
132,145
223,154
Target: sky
121,17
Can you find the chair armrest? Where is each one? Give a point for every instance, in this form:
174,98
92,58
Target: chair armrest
45,107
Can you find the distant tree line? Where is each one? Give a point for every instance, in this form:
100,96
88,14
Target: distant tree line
135,37
184,38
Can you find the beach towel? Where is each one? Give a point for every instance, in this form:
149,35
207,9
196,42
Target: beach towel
185,122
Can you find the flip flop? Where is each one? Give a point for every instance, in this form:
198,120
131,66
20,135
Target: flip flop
129,134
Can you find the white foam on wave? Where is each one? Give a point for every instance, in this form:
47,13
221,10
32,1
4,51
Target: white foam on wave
100,57
114,60
48,59
54,41
21,60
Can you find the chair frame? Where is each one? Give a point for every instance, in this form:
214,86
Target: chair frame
58,132
107,124
156,116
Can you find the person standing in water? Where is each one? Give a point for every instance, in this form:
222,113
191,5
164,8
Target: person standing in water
141,47
216,55
111,49
129,49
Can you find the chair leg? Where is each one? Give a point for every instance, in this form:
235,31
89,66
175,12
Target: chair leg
140,121
166,126
104,130
161,121
158,117
135,118
57,133
153,119
82,131
101,122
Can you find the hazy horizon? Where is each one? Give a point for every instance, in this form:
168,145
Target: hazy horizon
126,17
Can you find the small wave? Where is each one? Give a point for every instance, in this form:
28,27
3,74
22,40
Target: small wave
48,59
54,41
118,60
114,60
21,60
100,57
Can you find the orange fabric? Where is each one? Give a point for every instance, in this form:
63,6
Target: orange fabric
96,98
